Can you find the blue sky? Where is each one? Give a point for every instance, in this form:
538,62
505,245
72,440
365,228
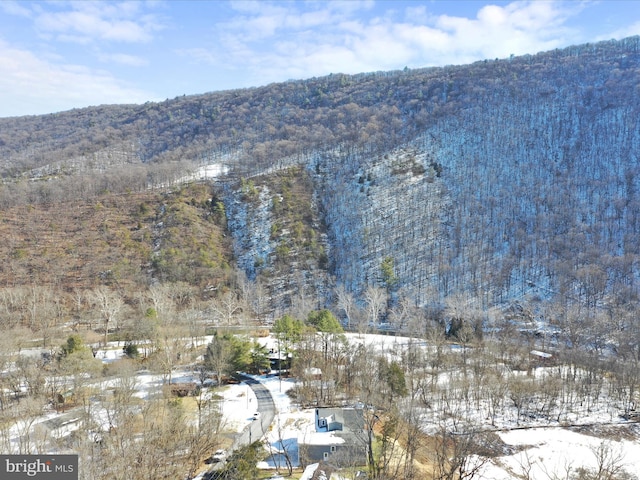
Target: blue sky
59,55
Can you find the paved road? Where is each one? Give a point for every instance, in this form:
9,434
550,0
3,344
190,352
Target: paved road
256,429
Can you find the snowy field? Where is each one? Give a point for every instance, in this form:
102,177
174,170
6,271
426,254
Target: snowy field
552,452
540,452
544,452
536,451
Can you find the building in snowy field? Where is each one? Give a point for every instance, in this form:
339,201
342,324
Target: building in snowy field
538,358
339,438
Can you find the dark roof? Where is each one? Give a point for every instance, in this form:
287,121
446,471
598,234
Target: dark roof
350,418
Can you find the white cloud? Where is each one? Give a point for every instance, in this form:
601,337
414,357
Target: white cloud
518,28
124,59
629,31
346,37
258,43
30,85
417,14
87,21
15,8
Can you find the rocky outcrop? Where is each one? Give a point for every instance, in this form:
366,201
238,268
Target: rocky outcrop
279,239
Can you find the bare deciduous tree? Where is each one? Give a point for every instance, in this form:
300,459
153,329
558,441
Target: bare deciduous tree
346,302
376,299
459,455
109,303
227,307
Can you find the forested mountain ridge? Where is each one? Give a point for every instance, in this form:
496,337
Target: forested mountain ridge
491,181
259,125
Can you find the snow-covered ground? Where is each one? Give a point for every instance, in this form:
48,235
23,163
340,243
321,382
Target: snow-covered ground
544,451
289,423
205,172
208,171
552,452
237,406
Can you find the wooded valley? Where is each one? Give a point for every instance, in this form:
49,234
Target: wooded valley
485,211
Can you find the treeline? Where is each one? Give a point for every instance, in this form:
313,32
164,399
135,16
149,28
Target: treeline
91,182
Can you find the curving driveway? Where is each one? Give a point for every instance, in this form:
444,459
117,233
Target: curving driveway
256,429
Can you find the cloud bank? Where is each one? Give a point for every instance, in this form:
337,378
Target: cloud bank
60,55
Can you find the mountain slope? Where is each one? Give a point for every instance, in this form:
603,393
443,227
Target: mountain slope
124,241
496,180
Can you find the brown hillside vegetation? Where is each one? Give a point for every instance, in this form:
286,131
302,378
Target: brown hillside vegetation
290,261
124,241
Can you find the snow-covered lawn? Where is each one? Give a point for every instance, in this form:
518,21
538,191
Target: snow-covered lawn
544,451
289,423
552,452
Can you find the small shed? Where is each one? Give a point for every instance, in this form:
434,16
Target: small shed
313,373
539,358
65,398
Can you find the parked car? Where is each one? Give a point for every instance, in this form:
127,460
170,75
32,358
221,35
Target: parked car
256,415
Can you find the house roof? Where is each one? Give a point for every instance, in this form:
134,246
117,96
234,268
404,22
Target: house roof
352,419
538,353
311,437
